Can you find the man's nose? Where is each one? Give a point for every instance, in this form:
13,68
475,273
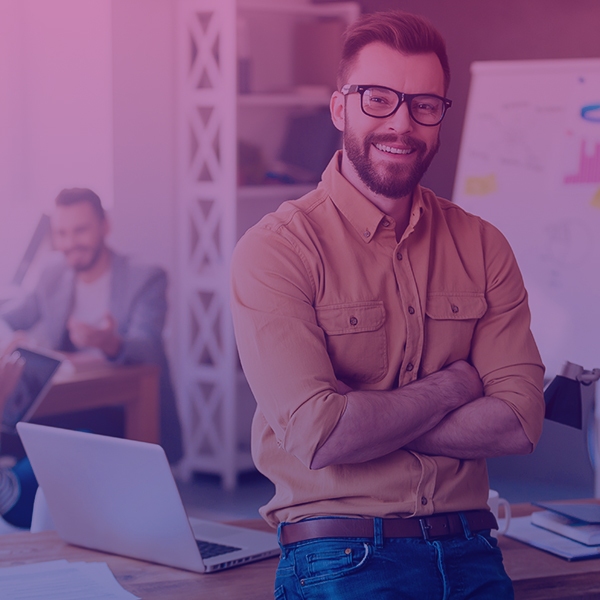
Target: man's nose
401,121
64,242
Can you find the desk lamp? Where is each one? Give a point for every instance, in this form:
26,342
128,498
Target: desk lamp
563,394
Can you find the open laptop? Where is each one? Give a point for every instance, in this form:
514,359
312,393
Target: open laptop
32,387
119,496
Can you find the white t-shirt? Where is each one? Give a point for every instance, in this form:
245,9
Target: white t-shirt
92,300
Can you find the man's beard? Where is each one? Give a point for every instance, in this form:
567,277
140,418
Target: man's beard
397,180
95,257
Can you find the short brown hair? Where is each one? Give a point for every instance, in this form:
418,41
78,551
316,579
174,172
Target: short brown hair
402,31
70,196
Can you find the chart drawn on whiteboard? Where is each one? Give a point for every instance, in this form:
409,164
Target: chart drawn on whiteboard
589,166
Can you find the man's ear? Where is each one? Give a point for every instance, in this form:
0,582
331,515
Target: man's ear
337,106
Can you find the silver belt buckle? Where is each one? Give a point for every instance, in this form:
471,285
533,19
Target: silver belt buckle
425,527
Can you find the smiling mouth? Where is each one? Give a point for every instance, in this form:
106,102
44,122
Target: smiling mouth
391,150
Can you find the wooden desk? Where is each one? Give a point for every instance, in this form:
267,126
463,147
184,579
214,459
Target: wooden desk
536,575
135,387
149,581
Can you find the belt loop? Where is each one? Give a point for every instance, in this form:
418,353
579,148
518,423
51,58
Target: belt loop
465,524
279,530
378,532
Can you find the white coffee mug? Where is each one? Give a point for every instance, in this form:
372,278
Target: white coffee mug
495,502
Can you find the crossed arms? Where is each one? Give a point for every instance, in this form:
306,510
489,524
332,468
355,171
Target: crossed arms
444,414
488,406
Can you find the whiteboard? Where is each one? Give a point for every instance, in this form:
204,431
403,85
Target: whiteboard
530,164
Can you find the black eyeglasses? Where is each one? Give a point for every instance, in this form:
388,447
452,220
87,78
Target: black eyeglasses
381,102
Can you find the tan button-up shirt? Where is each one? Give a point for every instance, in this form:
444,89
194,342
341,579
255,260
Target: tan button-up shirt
322,290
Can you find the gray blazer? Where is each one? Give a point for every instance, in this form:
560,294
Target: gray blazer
138,303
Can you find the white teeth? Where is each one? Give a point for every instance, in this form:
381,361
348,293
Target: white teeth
392,150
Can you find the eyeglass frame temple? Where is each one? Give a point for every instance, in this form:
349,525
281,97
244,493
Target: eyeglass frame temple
402,97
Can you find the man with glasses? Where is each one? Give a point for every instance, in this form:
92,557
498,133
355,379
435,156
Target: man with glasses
385,335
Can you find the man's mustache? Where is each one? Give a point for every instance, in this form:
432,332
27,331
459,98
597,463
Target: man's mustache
77,249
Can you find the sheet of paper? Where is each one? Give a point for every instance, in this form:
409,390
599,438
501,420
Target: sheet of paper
523,530
61,580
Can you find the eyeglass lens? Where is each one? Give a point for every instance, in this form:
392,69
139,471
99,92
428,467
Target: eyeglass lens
423,108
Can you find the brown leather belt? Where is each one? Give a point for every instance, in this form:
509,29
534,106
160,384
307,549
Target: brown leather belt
428,528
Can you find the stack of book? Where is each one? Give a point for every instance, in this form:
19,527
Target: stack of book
570,530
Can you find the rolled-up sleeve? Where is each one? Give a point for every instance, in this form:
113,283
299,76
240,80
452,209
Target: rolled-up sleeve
503,349
282,348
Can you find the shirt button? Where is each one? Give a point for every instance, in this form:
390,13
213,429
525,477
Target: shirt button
411,310
454,308
423,500
410,367
399,255
367,234
353,321
386,223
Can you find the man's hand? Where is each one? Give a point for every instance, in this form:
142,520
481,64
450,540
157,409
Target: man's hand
11,367
19,338
104,338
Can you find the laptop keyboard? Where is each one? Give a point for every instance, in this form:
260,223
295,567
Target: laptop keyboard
210,549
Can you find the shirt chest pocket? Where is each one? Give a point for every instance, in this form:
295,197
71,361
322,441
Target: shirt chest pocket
356,340
449,325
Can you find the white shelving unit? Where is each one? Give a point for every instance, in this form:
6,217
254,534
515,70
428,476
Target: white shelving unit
216,405
274,100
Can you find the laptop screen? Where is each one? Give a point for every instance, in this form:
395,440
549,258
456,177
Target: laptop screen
35,380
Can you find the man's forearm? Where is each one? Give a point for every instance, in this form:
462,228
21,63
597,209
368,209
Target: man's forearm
483,428
377,423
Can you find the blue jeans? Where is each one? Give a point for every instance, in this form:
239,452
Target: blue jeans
461,567
20,514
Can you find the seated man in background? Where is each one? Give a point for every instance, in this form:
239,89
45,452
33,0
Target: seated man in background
94,298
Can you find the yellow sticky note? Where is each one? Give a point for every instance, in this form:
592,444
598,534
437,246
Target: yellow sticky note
481,185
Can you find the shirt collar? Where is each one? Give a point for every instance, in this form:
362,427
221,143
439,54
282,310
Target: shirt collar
362,214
